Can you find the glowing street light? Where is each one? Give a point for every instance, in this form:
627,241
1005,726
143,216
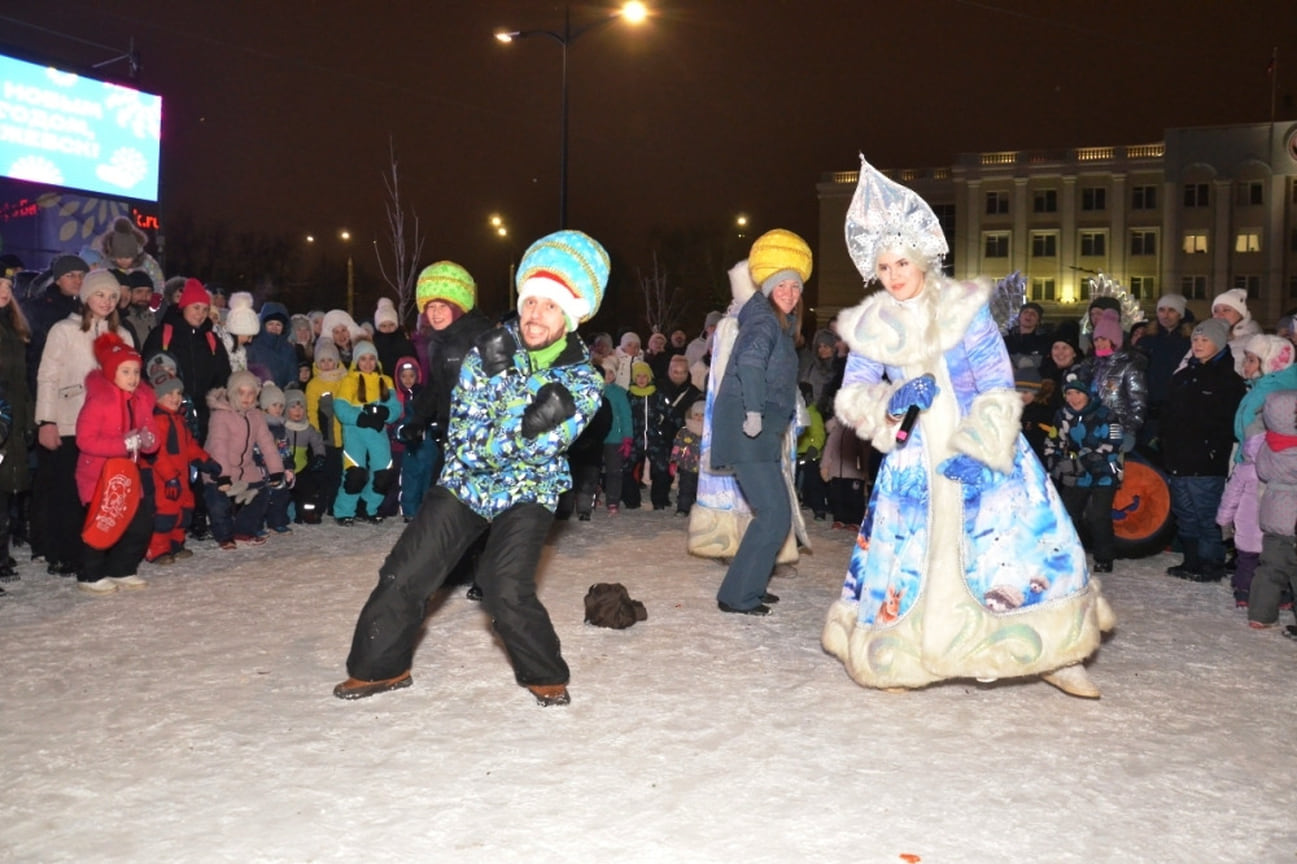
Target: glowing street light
501,230
633,12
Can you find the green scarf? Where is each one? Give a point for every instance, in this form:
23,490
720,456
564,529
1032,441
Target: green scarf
544,358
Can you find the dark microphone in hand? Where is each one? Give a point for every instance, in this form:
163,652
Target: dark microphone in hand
908,421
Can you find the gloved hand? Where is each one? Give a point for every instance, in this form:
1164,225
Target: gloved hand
171,489
316,464
752,424
148,440
223,483
1096,464
812,453
131,441
372,416
627,447
211,467
275,480
964,469
496,348
917,391
409,433
552,405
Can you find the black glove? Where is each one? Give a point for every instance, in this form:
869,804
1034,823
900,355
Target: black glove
171,489
1096,464
553,404
409,433
496,348
372,416
223,481
316,464
275,480
210,467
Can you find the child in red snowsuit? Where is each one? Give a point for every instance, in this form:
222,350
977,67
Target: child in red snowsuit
173,495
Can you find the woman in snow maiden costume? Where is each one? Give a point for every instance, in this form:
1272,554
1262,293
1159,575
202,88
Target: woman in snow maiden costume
525,392
967,565
756,401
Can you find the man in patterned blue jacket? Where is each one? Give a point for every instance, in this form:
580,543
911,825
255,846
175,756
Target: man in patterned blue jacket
525,391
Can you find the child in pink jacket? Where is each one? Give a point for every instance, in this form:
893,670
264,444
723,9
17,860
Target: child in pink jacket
237,499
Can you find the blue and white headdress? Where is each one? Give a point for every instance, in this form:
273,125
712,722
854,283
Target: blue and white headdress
885,215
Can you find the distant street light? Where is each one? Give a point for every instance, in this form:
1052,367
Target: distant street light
741,225
501,230
632,12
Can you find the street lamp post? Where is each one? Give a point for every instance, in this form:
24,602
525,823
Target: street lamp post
502,231
634,12
345,236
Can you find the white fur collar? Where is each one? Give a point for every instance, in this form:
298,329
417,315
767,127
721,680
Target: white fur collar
900,334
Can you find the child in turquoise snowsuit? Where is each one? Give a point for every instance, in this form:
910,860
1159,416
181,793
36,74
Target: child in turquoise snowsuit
363,403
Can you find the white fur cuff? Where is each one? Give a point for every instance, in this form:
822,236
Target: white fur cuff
864,408
989,433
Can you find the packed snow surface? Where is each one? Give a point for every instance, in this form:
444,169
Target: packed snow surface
194,721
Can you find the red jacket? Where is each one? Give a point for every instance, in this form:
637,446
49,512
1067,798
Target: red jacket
176,449
108,414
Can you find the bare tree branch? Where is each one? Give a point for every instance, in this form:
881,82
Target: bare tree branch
405,240
662,303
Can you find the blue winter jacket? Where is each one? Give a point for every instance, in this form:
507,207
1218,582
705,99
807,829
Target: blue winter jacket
761,376
490,465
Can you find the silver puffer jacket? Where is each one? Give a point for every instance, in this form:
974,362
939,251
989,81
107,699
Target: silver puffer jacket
1118,382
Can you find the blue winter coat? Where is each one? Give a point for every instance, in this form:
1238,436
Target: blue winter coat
274,351
490,465
761,376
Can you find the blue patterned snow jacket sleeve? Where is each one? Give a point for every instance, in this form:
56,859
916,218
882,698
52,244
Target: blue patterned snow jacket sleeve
490,465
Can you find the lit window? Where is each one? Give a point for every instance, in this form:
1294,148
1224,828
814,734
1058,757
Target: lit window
1247,241
1195,243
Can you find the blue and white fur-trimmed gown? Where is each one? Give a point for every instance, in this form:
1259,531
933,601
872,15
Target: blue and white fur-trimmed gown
947,579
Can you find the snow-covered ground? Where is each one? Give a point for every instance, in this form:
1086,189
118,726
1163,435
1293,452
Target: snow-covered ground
194,721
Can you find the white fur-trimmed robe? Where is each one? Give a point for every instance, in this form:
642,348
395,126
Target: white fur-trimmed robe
950,580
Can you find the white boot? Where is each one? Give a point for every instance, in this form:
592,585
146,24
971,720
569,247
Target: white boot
1073,681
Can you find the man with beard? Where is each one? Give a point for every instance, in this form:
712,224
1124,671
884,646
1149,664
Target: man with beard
525,391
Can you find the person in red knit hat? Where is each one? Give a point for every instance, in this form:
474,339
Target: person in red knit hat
116,420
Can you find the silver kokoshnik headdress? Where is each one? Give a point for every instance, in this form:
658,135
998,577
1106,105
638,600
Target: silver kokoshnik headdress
884,215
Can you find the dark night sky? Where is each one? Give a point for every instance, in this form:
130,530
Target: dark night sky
278,113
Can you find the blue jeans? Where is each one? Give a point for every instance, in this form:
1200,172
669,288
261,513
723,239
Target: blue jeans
1194,501
762,484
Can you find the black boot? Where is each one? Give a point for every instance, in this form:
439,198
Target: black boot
1191,567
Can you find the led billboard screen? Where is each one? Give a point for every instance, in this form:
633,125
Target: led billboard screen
62,129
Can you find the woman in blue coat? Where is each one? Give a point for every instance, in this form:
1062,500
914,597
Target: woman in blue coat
756,401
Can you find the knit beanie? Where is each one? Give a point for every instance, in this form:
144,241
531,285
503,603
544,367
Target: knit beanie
271,395
1109,327
1106,302
300,322
160,366
364,348
1234,298
1214,329
112,351
100,280
639,367
123,241
777,255
1274,352
448,282
65,264
713,318
1077,380
1172,301
326,350
240,319
386,312
824,336
194,292
568,267
241,380
294,397
168,385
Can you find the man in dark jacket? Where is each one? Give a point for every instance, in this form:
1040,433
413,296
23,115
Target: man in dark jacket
1165,346
526,392
60,298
